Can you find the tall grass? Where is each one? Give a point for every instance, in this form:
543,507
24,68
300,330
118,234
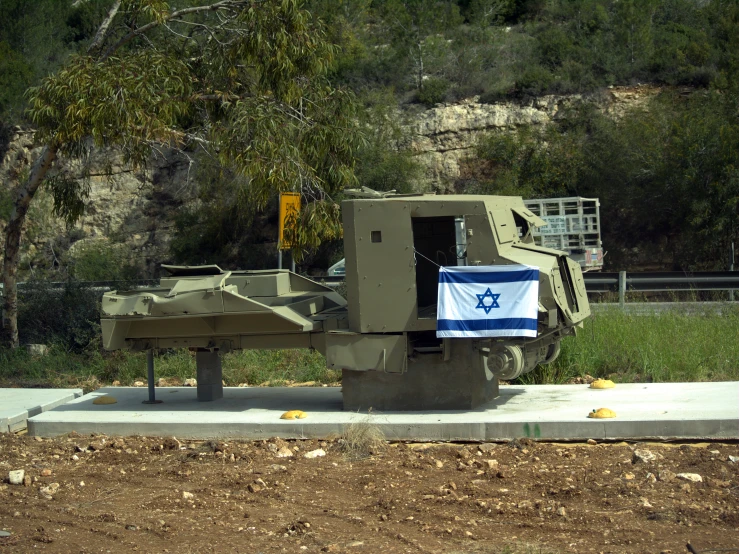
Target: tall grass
669,346
60,368
628,348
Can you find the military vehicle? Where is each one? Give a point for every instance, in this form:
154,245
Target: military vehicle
572,225
383,335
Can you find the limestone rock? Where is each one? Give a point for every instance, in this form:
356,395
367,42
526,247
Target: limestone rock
643,456
692,477
16,477
284,452
315,453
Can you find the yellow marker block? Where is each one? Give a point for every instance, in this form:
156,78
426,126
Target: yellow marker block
602,384
105,400
602,413
294,414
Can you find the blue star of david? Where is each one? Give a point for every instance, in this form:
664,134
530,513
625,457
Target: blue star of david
486,307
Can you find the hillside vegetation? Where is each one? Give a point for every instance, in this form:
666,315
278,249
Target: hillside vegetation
667,173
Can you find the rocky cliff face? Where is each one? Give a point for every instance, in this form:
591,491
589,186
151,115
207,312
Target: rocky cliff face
443,136
136,209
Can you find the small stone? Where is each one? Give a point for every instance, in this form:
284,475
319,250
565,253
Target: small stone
16,477
284,452
171,443
666,475
464,453
27,481
383,517
467,534
139,384
315,453
190,382
692,477
491,464
629,476
132,527
561,511
355,544
439,464
592,441
187,495
734,459
277,467
49,491
253,488
525,504
643,456
75,458
645,503
486,447
45,472
4,533
82,483
651,478
97,445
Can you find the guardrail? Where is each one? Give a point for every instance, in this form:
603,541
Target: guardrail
661,281
656,281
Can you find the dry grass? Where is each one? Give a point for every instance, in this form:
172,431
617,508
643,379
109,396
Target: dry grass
361,439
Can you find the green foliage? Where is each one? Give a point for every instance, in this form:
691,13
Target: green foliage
15,76
433,91
65,314
666,176
99,260
279,127
383,163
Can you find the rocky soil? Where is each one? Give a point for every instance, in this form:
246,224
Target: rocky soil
107,494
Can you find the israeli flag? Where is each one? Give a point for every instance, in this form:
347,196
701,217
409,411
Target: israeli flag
488,301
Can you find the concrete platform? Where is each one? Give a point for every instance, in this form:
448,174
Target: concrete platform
17,405
556,412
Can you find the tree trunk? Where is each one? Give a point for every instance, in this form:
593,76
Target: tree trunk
9,336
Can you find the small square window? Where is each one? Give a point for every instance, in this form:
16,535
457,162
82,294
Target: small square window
376,236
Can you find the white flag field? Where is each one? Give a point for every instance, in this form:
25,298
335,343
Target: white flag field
488,301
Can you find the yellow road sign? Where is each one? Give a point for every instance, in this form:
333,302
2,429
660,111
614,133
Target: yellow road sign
289,205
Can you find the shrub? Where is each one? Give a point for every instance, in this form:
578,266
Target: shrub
433,91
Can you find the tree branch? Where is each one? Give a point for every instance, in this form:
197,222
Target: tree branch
223,4
104,26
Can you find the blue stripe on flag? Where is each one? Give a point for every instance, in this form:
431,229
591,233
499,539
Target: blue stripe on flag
488,278
486,324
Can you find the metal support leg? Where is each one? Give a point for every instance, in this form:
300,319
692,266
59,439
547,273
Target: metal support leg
150,378
210,375
279,259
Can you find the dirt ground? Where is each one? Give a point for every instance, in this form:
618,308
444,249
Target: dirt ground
107,494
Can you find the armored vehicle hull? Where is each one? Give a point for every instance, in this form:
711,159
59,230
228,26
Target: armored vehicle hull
383,335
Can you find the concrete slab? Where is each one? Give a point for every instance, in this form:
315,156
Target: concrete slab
17,405
665,410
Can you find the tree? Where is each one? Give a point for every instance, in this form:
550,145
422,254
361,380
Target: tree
242,80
